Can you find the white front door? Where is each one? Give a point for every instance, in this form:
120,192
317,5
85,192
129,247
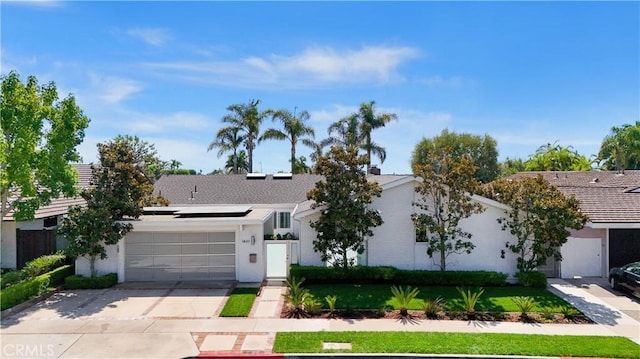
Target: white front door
277,259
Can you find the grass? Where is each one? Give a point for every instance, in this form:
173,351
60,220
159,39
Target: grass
459,343
375,296
239,303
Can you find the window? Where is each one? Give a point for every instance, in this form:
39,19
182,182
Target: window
284,220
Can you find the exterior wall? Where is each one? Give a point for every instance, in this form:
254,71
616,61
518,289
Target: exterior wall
109,265
394,244
246,271
308,257
8,246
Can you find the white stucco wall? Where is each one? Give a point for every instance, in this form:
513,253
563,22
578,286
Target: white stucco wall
394,244
8,245
246,271
106,266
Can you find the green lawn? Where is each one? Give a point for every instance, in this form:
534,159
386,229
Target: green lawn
459,343
239,303
376,296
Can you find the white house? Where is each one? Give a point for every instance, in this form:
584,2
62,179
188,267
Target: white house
221,228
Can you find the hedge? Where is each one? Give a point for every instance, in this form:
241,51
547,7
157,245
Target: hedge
43,264
532,279
82,282
391,275
33,287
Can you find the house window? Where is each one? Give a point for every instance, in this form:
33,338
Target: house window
283,220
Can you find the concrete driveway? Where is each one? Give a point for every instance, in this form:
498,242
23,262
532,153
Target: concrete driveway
132,301
599,287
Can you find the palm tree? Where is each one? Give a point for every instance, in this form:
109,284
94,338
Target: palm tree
237,164
294,130
370,121
228,139
355,130
621,148
247,118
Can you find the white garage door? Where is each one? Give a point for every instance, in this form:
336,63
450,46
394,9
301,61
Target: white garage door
155,256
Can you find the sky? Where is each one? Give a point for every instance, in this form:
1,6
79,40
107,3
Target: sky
525,73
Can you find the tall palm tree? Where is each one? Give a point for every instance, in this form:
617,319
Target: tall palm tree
621,148
370,121
355,130
228,139
294,130
247,118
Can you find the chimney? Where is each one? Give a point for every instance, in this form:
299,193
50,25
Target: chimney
374,170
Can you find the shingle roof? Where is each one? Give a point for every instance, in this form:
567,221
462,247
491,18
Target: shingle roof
234,189
61,205
607,197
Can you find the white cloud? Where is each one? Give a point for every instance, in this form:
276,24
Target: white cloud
152,36
35,3
313,67
171,123
111,89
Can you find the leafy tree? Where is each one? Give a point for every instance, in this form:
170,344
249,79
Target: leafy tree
557,158
228,139
174,164
620,149
39,139
344,197
238,164
445,191
538,218
511,166
355,130
481,149
300,165
145,156
247,118
294,130
120,190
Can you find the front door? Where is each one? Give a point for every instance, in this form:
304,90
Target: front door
277,259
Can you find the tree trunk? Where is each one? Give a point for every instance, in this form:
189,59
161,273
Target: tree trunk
293,159
443,256
619,161
92,265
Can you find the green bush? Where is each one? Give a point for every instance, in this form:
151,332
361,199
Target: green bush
33,287
391,275
43,264
532,279
10,278
82,282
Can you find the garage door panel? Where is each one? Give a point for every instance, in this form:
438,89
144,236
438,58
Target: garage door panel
180,256
195,261
167,249
194,248
136,261
222,260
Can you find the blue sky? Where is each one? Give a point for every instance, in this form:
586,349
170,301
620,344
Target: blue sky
526,73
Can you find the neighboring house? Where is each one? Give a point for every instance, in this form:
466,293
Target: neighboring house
221,226
22,241
611,238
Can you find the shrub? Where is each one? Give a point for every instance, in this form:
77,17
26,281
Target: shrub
297,297
43,264
532,279
524,304
391,275
404,296
82,282
24,291
312,306
10,278
433,307
470,299
33,287
331,303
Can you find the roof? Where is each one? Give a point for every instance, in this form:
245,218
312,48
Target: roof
605,196
61,205
234,189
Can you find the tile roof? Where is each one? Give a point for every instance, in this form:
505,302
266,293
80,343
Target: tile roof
607,197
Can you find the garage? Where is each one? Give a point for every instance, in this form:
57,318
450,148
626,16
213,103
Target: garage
170,256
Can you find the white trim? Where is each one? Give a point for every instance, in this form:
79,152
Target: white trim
610,225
